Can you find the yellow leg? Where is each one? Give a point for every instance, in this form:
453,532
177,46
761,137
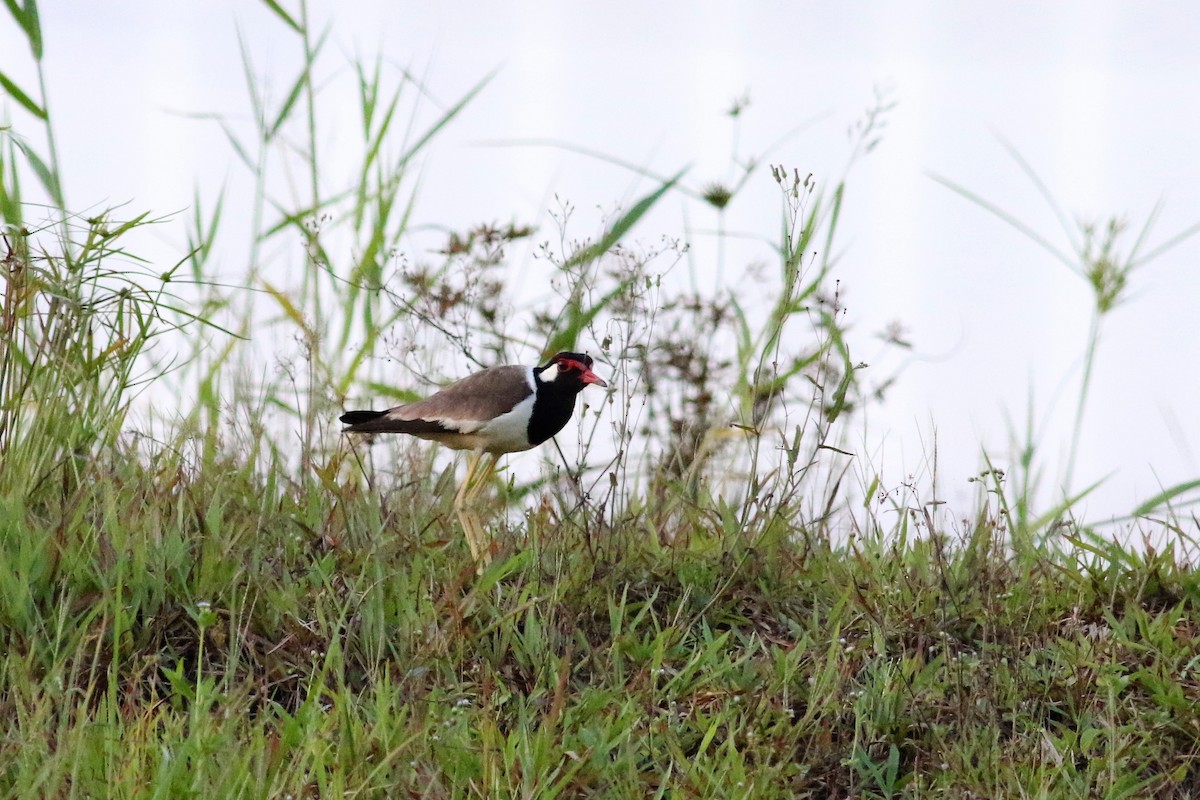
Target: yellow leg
461,495
471,486
482,478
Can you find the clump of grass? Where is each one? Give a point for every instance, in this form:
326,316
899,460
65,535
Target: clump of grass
77,336
1098,256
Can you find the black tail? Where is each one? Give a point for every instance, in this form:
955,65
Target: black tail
354,418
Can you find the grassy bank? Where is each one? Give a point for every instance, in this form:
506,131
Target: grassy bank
220,634
207,591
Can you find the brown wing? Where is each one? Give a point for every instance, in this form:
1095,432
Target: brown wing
378,422
467,405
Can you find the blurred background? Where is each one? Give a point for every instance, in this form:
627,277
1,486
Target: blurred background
592,104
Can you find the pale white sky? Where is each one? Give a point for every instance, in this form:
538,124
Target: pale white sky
1100,97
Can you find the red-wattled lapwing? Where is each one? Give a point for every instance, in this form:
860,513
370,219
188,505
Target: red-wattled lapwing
495,411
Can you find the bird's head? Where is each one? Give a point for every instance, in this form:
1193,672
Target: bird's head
572,371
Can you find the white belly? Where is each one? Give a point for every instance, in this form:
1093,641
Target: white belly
508,433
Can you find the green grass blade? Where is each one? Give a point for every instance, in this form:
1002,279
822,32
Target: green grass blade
626,222
1066,505
1165,497
297,219
297,90
11,208
444,120
44,173
22,98
1144,233
1063,220
287,18
600,156
1169,244
30,23
996,211
378,389
835,216
577,319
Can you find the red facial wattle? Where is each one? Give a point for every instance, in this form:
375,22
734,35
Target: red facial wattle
585,373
